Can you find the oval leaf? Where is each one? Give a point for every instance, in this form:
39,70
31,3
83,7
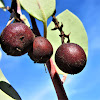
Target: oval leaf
40,9
7,92
71,24
2,5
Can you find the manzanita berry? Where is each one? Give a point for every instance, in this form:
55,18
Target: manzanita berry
70,58
16,39
41,50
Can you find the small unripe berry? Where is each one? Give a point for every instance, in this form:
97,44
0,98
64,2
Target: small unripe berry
70,58
41,50
16,39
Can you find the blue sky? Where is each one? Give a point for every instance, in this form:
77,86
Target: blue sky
33,83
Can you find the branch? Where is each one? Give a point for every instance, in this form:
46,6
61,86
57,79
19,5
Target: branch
34,25
57,26
10,21
58,85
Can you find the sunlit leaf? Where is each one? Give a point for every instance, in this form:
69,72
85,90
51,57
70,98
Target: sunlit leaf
40,9
71,23
2,5
7,92
23,17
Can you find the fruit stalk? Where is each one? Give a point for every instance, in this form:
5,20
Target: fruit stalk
61,94
45,28
57,26
35,28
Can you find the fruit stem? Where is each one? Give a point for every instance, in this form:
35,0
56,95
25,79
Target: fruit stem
45,28
10,21
15,11
57,26
5,8
58,85
19,8
34,25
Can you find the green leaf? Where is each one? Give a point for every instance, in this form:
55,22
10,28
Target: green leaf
7,92
40,9
25,20
2,5
71,23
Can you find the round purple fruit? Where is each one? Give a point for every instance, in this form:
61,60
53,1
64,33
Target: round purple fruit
16,39
70,58
41,50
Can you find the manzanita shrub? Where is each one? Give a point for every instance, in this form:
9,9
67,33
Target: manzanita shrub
63,48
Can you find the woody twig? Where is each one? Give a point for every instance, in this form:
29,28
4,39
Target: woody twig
60,28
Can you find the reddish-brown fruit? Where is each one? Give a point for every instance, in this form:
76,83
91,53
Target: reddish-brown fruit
16,39
70,58
41,50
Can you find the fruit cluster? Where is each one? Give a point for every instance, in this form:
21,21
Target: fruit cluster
18,39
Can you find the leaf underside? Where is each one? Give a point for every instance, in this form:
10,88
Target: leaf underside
40,9
2,5
7,92
71,24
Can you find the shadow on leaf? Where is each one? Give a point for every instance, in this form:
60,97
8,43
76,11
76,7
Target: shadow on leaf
9,90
